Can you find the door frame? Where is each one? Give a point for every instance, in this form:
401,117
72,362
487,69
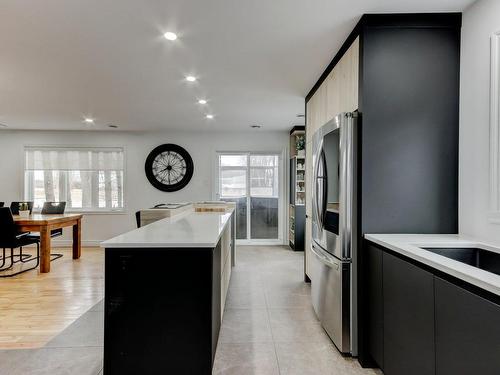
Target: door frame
282,195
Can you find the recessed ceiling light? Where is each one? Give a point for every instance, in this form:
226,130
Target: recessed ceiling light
89,120
209,117
255,126
3,125
190,78
112,126
202,101
301,115
170,35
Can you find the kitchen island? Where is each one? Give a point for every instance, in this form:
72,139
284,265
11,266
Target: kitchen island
165,290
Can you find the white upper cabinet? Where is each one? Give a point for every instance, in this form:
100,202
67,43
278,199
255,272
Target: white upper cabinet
342,83
338,93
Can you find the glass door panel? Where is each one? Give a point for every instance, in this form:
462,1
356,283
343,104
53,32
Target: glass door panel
233,188
264,196
252,181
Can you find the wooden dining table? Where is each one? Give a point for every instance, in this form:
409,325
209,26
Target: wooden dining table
45,224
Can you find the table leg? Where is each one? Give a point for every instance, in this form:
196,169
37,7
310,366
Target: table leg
77,239
44,250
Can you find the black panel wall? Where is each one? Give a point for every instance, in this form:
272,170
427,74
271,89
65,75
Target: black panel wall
410,102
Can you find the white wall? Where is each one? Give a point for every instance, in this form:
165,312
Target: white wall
138,192
480,21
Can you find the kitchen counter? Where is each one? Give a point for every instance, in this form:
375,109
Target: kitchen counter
188,229
410,245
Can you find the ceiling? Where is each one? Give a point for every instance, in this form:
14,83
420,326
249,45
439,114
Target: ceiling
62,61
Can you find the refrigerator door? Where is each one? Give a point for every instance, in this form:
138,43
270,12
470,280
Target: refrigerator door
325,180
330,291
334,185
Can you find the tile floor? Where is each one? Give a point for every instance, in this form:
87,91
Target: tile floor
269,328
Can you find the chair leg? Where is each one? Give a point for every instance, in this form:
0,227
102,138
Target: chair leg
55,256
26,270
3,259
22,256
11,262
37,254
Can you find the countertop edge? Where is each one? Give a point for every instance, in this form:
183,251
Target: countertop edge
144,245
169,245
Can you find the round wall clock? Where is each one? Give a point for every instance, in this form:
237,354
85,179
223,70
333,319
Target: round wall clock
169,167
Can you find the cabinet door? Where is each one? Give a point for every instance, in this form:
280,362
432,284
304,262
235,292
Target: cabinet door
408,318
333,92
467,332
352,77
375,303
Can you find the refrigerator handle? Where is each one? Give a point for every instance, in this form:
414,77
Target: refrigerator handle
315,178
324,258
348,178
324,203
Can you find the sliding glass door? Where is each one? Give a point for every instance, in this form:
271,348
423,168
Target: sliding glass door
253,182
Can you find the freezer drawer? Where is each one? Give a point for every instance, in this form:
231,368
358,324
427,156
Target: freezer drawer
331,296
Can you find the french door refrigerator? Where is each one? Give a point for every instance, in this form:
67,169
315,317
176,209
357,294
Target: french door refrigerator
333,285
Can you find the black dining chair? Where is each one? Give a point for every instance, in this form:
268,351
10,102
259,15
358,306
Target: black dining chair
54,208
11,238
14,207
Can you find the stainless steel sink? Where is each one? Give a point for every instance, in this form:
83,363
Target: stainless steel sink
473,256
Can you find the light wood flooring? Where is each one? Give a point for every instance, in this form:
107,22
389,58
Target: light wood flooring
36,307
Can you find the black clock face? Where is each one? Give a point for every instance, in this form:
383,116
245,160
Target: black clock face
169,167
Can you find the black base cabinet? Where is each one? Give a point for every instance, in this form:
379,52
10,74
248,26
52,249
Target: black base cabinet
467,332
408,318
162,311
425,322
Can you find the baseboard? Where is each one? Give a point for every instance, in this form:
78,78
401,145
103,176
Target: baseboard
69,243
260,243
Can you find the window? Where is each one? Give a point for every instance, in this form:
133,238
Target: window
264,175
263,170
495,128
87,179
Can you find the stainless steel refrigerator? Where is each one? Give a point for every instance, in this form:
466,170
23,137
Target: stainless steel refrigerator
333,279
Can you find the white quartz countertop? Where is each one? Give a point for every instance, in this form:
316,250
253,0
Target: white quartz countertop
189,229
410,245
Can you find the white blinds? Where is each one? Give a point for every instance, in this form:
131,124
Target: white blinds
73,158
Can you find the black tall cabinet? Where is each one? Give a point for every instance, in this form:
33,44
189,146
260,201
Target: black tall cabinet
408,103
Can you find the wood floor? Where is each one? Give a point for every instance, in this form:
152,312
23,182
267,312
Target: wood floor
36,307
